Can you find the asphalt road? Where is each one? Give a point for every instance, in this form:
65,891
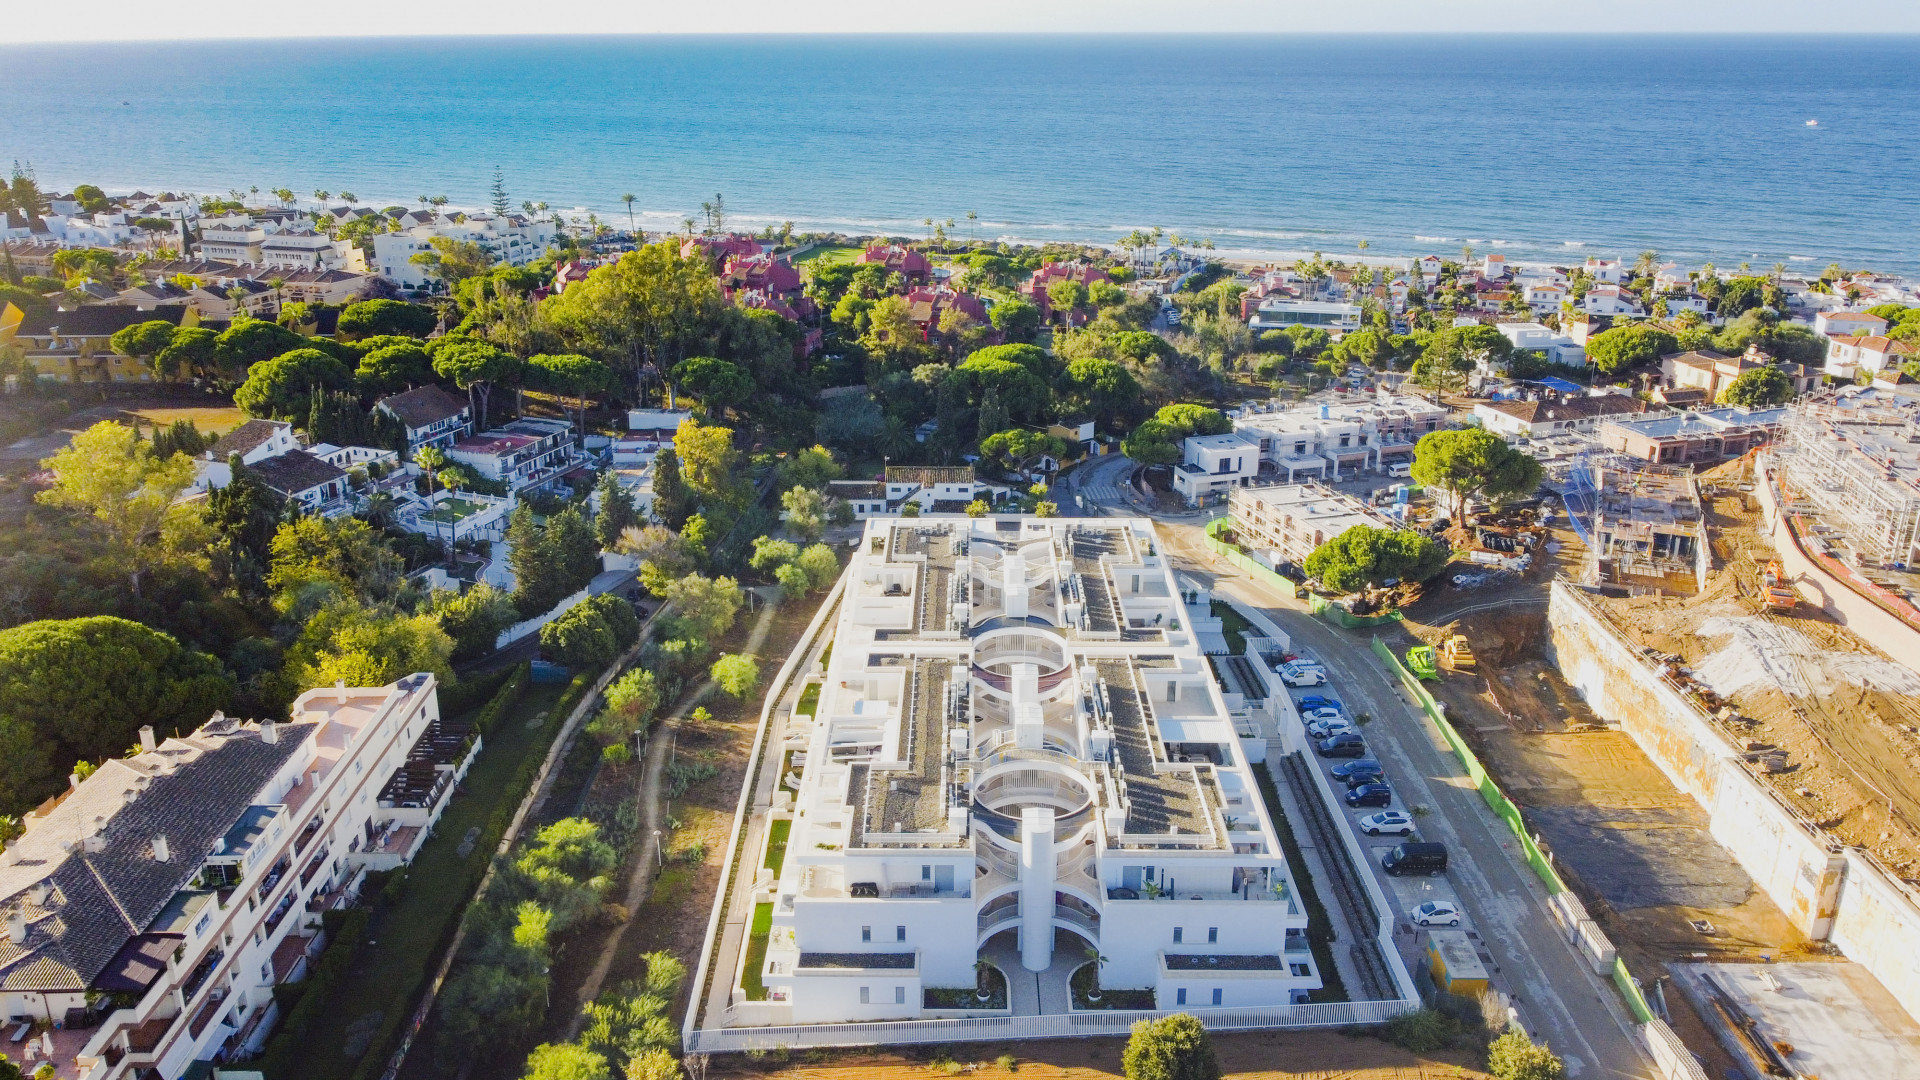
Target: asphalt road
1558,997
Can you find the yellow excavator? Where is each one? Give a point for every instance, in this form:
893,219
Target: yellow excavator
1774,586
1456,653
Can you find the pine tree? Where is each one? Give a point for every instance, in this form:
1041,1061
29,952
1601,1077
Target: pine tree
672,500
500,202
616,512
993,415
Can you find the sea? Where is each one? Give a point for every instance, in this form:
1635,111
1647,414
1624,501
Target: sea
1730,149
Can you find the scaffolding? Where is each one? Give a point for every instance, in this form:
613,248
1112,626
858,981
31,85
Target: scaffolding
1649,533
1854,459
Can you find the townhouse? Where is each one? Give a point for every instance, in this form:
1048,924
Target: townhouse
1553,414
1285,523
153,908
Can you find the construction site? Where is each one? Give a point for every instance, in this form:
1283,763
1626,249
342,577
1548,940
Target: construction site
1723,772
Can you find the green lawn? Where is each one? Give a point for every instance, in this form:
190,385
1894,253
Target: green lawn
777,845
757,952
406,938
454,510
830,253
1233,626
809,700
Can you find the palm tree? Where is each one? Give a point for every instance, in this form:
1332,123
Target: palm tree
320,196
1363,246
1466,254
348,196
1646,264
786,234
628,199
929,230
431,460
278,283
426,200
1778,270
971,218
438,201
380,509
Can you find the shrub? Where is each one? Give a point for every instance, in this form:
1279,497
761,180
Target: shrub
1513,1056
1422,1031
1171,1048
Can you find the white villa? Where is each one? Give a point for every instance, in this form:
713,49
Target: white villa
1019,754
513,239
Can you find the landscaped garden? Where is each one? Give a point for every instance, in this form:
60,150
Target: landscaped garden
455,509
988,992
1088,993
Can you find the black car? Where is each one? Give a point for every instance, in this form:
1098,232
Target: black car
1346,744
1370,795
1358,771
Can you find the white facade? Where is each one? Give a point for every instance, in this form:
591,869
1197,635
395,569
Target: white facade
1338,436
304,249
1018,752
513,239
1212,465
218,853
1536,337
1545,297
524,453
1606,270
1609,300
1278,314
232,240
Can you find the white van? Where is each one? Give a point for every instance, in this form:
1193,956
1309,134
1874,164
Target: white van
1400,468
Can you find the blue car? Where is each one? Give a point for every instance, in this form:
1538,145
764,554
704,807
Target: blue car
1315,701
1346,770
1348,745
1370,795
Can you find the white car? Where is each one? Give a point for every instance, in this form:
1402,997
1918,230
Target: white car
1387,821
1327,729
1312,677
1323,713
1435,913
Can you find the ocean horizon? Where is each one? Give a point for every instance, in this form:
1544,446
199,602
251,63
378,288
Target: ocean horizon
1546,148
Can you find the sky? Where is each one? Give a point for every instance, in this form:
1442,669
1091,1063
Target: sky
111,20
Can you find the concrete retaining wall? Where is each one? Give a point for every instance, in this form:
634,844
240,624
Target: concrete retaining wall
1797,865
1828,893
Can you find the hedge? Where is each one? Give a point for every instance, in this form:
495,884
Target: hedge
301,1002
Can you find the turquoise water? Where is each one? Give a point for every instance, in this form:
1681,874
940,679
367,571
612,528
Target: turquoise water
1540,147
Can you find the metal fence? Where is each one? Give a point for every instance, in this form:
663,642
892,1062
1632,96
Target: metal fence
1063,1025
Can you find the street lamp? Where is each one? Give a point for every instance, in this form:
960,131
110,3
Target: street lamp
659,856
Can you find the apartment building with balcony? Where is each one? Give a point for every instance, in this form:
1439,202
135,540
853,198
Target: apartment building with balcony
1328,438
1020,755
525,453
431,415
154,907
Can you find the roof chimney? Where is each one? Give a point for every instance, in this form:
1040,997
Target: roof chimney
17,928
160,852
146,738
340,691
269,733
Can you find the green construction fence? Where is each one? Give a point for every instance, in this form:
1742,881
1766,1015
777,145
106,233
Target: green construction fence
1318,605
1504,809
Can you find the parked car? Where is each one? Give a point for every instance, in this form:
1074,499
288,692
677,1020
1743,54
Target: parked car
1370,795
1315,701
1435,913
1364,766
1327,729
1346,744
1412,858
1314,716
1398,822
1364,776
1303,678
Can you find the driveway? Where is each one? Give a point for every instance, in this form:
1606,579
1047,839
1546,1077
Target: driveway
1564,1004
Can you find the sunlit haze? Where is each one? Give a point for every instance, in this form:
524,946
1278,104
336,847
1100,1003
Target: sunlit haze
201,19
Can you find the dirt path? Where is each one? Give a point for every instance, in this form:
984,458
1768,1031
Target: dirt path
648,864
1254,1055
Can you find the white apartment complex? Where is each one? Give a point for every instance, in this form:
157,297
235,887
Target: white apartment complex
513,239
157,905
1321,439
1020,754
